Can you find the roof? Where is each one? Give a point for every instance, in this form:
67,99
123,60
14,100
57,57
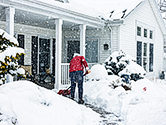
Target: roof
98,8
105,7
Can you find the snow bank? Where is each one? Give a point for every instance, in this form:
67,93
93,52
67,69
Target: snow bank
34,105
135,107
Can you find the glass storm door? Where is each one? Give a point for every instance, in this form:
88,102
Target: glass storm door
73,47
44,54
91,51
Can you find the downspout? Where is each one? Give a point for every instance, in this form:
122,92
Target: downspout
109,27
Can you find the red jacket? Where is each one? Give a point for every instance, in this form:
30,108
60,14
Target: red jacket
78,63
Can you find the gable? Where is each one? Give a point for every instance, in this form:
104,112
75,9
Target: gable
155,11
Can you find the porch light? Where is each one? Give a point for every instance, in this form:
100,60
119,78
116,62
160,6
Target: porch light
106,46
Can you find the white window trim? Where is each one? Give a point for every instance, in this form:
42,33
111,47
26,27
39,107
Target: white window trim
145,39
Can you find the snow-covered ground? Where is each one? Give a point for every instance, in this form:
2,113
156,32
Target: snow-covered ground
25,103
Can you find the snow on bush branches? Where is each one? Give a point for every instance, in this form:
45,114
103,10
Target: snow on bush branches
118,63
10,53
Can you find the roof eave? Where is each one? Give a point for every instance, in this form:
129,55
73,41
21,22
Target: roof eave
54,11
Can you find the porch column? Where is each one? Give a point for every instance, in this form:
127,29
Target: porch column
82,39
58,23
10,11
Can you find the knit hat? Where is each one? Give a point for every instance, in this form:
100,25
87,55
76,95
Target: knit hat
76,54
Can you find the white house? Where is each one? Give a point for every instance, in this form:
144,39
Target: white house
51,31
141,35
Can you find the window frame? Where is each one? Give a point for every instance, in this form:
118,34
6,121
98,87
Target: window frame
149,39
139,31
145,32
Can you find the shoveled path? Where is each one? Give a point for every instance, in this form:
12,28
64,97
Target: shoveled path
107,118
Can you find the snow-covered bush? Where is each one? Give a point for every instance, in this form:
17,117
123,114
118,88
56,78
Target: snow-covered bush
118,63
10,53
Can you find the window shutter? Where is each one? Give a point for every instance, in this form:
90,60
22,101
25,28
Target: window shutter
21,44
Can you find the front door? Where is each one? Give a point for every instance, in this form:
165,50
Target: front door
43,55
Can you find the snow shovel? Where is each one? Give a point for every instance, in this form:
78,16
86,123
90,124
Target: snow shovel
65,92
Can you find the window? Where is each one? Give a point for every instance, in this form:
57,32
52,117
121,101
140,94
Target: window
91,51
164,49
151,34
34,55
145,32
138,31
151,49
145,57
139,53
145,45
73,47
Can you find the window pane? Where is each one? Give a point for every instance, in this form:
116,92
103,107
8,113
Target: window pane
138,31
91,52
73,47
145,32
164,49
139,53
151,34
44,54
151,49
34,55
145,63
145,49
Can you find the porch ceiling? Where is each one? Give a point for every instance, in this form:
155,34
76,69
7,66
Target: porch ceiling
39,20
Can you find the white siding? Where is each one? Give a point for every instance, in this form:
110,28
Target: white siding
102,35
128,34
115,38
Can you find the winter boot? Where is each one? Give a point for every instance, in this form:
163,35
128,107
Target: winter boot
80,101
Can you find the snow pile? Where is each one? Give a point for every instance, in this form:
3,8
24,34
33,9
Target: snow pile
135,107
24,103
34,105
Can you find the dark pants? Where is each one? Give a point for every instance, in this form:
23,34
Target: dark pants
126,78
76,77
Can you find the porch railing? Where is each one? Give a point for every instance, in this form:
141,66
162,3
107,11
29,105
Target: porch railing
65,80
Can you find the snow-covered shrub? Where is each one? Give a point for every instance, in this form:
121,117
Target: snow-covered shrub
118,63
10,53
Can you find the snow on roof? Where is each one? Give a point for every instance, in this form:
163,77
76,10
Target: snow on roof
108,6
98,8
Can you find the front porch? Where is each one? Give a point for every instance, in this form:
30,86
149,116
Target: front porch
52,48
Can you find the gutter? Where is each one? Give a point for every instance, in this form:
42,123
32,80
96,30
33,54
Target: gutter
115,22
